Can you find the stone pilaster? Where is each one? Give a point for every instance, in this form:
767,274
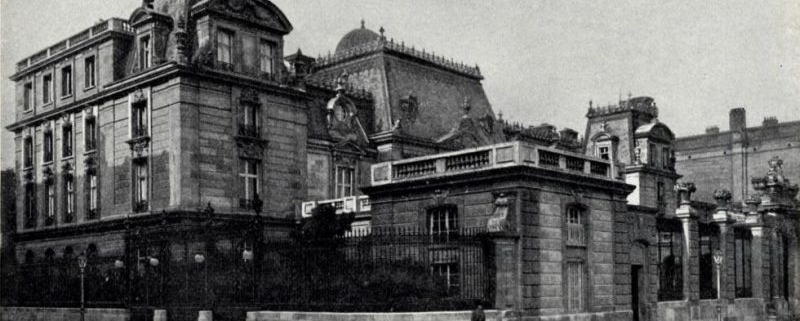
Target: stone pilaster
507,280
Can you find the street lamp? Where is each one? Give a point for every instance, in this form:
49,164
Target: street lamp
82,265
718,264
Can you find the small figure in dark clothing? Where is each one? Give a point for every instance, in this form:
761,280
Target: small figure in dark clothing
477,314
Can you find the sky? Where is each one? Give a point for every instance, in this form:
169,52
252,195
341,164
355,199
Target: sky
543,60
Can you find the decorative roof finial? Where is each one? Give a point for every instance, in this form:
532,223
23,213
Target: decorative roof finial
341,83
500,116
590,103
381,30
362,23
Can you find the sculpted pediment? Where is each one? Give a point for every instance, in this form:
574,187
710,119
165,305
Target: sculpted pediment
260,12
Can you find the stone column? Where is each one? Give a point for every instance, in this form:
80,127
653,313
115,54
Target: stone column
722,218
691,265
759,255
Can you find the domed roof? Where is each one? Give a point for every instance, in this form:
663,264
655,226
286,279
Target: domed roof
355,38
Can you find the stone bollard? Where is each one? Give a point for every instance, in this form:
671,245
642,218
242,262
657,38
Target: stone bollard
159,315
205,315
508,314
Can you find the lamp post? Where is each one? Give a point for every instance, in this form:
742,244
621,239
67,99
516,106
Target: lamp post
718,264
82,266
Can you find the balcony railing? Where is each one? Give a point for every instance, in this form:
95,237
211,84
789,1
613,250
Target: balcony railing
350,204
249,130
114,24
490,157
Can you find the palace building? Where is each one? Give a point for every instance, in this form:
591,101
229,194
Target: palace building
170,147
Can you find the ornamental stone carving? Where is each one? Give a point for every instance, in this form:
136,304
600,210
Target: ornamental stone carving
500,220
685,190
723,198
250,148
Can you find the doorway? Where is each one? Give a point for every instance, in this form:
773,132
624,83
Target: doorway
637,283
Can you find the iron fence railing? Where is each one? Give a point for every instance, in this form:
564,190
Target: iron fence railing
234,270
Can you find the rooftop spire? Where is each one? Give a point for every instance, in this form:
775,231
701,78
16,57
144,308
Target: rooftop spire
362,23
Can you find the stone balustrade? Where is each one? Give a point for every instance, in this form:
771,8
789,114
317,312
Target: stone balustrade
490,157
114,24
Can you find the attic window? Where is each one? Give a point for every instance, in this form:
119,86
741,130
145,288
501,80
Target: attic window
145,59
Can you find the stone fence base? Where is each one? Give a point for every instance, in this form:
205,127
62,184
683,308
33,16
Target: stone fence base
706,310
491,315
66,314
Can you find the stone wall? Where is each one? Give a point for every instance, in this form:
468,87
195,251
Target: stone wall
62,314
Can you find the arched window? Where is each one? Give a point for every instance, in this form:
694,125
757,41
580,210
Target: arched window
670,260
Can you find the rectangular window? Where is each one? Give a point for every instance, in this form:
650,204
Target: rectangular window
249,182
27,96
48,146
575,226
30,205
742,263
145,53
47,87
92,199
575,280
28,152
140,173
670,260
89,72
69,199
139,119
450,273
443,221
90,133
344,181
602,152
224,47
49,204
66,140
66,81
660,194
250,125
265,54
665,158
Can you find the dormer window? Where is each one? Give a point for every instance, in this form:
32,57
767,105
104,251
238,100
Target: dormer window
224,48
651,149
145,53
603,152
266,53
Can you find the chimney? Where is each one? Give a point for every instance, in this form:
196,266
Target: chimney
770,121
738,119
568,134
712,130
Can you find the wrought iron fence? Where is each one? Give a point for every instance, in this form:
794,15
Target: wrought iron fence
241,268
56,283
